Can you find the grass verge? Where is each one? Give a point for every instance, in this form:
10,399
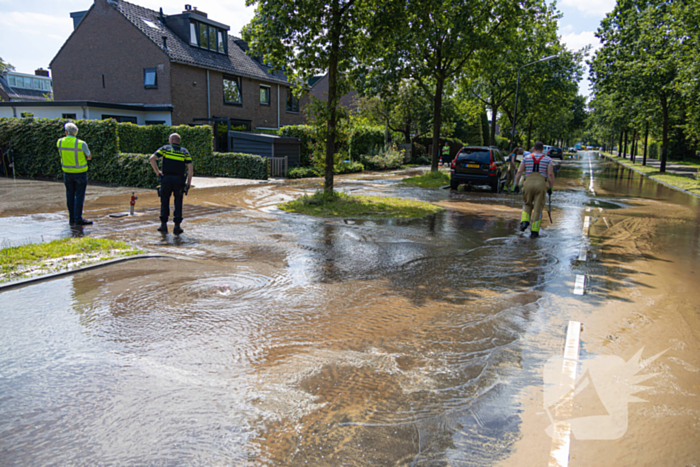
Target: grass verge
343,205
428,180
35,259
679,181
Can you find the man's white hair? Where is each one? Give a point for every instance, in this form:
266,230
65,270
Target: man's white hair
71,128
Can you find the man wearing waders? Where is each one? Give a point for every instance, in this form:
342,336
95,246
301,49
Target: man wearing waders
539,173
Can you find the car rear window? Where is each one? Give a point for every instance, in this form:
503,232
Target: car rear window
476,155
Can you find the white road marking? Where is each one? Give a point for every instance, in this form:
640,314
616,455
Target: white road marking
582,255
561,436
590,185
586,225
579,285
606,222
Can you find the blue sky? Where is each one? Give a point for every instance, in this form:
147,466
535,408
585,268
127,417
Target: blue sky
32,31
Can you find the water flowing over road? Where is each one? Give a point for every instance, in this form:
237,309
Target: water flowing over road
287,340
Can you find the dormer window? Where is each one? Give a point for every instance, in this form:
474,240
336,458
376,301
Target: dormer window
193,34
207,36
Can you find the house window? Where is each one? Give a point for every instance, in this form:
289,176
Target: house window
68,116
220,37
212,39
36,83
120,118
264,95
12,81
149,78
292,102
203,35
193,34
232,91
155,122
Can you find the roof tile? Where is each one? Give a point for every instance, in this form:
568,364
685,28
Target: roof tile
237,62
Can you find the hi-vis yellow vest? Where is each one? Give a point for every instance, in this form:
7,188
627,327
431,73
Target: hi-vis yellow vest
73,158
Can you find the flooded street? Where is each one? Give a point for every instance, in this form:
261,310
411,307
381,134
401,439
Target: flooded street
280,339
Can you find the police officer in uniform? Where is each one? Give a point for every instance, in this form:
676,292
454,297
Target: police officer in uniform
176,179
74,156
538,169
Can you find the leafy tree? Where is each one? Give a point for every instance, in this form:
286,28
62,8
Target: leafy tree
306,37
435,39
639,56
492,75
4,66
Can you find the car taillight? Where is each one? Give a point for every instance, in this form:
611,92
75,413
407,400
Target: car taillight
453,164
493,166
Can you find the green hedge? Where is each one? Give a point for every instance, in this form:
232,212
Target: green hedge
306,135
365,137
146,139
232,164
33,142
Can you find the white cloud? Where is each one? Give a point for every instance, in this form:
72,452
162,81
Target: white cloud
577,41
591,7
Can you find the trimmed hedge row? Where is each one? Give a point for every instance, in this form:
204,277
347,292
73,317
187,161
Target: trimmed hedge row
33,142
232,164
147,139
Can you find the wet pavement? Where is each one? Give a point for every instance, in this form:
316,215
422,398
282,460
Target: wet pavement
281,339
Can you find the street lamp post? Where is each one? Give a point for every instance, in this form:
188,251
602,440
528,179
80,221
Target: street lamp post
517,87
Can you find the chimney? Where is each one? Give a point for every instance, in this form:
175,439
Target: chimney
193,9
41,72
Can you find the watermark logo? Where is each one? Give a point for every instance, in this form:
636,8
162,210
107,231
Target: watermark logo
593,406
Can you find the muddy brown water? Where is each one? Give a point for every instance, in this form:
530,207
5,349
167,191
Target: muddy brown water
287,340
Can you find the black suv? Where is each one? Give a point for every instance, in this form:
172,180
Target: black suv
478,165
555,153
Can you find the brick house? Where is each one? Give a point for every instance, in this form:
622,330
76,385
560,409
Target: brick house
123,53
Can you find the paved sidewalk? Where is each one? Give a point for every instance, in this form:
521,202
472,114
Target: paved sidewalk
671,168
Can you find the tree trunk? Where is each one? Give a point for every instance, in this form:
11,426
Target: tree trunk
619,146
646,143
529,135
634,146
624,151
494,112
664,139
331,104
437,122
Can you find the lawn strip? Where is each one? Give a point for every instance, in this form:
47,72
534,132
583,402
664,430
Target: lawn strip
354,206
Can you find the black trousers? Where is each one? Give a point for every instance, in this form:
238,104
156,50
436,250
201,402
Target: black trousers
171,185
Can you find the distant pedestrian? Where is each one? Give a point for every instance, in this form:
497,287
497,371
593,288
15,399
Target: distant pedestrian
175,178
446,153
539,172
74,156
512,160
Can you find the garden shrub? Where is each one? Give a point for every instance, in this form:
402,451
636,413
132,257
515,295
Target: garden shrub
502,143
232,164
302,172
146,139
306,134
33,142
349,168
363,138
380,158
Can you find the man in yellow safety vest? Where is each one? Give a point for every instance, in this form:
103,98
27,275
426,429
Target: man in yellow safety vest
74,156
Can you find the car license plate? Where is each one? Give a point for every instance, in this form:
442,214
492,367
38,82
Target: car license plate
473,166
